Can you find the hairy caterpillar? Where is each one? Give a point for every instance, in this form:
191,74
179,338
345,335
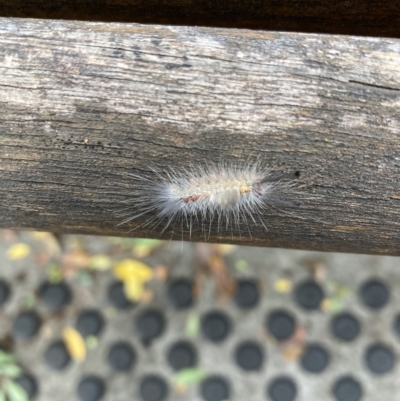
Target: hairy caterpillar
225,193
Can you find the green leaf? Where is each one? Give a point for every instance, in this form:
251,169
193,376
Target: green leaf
124,242
241,265
92,342
336,305
116,240
344,292
2,395
10,370
151,243
192,325
55,273
5,357
29,301
189,376
85,278
14,391
143,247
100,262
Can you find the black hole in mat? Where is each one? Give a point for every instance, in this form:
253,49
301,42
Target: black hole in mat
91,388
215,326
315,359
180,293
309,295
182,355
29,384
249,355
281,324
150,325
117,297
90,323
347,389
5,292
215,388
55,296
26,325
374,294
282,389
396,325
121,356
57,356
345,327
379,359
153,388
247,294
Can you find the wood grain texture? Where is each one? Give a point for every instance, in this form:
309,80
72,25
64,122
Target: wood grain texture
351,17
82,104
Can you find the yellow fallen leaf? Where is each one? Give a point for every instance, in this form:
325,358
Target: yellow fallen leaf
134,289
294,347
130,269
326,305
226,249
18,251
180,388
141,251
75,344
283,285
41,234
293,352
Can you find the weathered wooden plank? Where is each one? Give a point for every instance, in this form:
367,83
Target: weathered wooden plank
351,17
81,104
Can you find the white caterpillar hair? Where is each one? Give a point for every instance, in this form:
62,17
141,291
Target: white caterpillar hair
226,193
